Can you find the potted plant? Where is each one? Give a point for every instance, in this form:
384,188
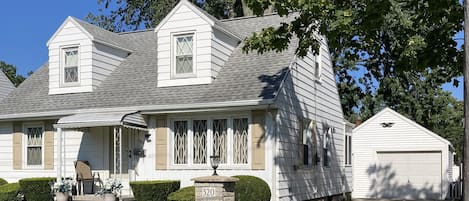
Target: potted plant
110,188
62,189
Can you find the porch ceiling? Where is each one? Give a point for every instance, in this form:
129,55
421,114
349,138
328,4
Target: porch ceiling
126,119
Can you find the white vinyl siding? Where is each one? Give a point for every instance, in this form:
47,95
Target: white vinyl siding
302,95
371,138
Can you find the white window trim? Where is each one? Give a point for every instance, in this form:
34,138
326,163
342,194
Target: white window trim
174,36
62,66
25,145
209,118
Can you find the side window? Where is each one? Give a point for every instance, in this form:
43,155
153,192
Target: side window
348,149
326,146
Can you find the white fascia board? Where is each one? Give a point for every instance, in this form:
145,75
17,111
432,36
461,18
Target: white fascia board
69,19
144,109
190,6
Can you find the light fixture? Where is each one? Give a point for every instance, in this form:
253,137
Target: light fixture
387,124
214,161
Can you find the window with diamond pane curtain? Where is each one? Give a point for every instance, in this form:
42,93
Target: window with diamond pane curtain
240,141
200,141
220,136
71,65
184,57
34,146
180,142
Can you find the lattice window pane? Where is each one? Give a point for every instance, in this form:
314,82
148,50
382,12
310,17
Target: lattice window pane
200,141
220,138
71,74
184,52
240,141
34,146
180,142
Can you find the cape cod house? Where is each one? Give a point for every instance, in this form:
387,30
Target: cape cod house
5,85
156,104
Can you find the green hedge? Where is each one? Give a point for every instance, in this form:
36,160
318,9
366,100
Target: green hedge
153,190
251,188
9,192
183,194
37,189
3,182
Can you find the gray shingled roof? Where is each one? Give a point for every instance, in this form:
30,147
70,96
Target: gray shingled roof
133,83
104,36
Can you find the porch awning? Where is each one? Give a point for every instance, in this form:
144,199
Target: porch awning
126,119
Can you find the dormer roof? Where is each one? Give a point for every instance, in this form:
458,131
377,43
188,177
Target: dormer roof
5,85
214,22
96,34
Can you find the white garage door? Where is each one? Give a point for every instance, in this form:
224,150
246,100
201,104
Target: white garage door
409,175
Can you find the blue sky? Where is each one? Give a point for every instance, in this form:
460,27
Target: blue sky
26,29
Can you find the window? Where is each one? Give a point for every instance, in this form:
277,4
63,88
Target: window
303,145
183,55
326,147
317,66
348,149
34,137
201,138
70,71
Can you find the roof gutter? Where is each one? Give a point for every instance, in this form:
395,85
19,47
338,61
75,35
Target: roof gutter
147,109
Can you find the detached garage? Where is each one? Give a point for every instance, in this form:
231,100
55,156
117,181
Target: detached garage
396,158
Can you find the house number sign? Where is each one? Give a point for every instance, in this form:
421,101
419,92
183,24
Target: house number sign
208,192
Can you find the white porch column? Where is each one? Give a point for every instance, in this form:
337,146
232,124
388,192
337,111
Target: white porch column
59,154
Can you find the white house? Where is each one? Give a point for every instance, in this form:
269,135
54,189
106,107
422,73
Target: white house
399,159
5,85
156,104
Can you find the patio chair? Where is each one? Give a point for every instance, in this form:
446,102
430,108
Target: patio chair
86,180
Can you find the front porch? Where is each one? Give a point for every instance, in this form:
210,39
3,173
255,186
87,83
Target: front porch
110,143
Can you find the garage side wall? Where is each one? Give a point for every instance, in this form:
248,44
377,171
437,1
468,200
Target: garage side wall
404,136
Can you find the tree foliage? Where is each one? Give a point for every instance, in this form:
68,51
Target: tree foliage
124,15
10,72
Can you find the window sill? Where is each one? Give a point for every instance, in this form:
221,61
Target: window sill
33,167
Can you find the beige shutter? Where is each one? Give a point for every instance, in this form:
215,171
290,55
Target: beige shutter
258,140
161,143
17,145
49,146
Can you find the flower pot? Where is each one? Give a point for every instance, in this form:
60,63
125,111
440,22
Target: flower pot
61,196
109,197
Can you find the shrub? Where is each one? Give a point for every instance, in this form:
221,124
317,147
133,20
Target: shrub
183,194
3,182
153,190
251,188
37,189
9,192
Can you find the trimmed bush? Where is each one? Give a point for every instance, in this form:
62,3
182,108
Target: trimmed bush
183,194
3,182
37,189
251,188
153,190
9,192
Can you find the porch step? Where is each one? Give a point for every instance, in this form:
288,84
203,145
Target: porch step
93,197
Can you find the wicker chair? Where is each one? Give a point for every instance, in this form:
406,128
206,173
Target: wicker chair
86,180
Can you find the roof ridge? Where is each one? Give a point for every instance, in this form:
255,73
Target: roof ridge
248,17
135,31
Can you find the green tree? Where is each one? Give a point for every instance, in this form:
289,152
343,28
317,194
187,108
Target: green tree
124,15
10,72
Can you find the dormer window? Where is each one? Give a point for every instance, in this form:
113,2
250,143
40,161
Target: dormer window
183,61
70,66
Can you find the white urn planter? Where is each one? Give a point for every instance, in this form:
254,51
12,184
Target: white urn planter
61,196
109,197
